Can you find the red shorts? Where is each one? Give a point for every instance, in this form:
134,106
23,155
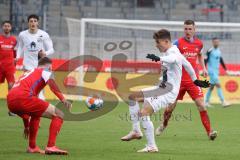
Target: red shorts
7,73
26,105
189,87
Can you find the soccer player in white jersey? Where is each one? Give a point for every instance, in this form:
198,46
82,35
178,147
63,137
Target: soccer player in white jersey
34,44
173,61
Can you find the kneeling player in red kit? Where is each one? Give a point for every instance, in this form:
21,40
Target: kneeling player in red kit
23,100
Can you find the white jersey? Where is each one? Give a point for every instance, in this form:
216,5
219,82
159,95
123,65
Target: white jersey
30,44
173,61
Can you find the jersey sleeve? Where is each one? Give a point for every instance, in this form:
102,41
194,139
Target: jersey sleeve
54,88
169,58
46,75
15,47
207,56
48,44
19,46
188,67
223,64
175,42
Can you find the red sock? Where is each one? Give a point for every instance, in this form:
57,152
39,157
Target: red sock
166,116
54,129
33,130
205,121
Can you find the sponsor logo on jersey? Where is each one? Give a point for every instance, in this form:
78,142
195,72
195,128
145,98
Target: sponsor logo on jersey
190,54
5,46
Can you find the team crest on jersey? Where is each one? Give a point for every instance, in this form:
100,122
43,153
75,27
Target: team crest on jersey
33,45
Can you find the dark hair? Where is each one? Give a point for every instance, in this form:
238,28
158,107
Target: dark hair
7,21
44,60
214,38
162,34
33,16
189,22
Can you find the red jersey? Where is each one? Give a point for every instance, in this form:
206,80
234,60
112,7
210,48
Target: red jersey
7,52
32,82
190,50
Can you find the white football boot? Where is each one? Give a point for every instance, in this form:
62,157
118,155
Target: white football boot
148,149
132,135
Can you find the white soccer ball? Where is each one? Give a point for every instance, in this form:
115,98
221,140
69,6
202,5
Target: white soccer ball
94,103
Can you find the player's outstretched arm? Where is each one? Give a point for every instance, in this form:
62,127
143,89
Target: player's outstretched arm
168,59
188,67
48,45
202,63
19,47
54,88
153,57
202,83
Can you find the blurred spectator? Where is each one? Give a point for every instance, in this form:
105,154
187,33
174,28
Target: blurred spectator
233,4
145,3
108,3
221,13
87,3
67,2
211,4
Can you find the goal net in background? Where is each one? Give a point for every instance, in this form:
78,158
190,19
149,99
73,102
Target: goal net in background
105,38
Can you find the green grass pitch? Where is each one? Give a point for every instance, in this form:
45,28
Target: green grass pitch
99,139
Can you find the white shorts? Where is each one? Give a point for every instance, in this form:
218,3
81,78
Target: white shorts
160,100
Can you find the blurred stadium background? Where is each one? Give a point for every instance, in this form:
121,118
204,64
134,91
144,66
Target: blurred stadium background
62,20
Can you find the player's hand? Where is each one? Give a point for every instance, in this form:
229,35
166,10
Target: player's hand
202,84
26,133
153,57
67,104
205,73
41,54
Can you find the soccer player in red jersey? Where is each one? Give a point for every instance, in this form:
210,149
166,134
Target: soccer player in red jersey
7,54
190,46
23,100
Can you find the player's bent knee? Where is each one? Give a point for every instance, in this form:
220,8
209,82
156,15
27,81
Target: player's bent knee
147,110
200,104
53,111
59,113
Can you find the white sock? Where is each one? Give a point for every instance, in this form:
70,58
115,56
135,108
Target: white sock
134,115
148,130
